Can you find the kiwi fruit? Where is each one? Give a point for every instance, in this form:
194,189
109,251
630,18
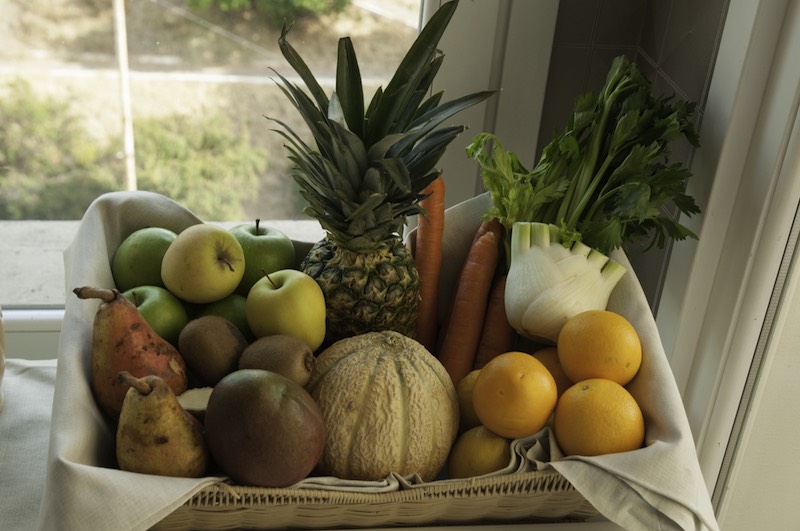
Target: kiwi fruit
211,346
286,355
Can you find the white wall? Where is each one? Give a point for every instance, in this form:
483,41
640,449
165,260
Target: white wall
762,489
508,47
719,290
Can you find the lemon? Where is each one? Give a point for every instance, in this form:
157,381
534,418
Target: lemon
478,451
468,417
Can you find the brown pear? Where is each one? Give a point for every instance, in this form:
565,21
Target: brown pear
263,429
288,356
123,341
155,435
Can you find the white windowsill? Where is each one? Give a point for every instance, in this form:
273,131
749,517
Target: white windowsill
32,333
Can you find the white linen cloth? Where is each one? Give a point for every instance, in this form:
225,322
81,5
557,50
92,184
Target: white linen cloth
24,426
2,358
84,489
658,487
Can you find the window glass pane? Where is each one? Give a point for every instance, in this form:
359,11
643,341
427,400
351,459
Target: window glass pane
201,86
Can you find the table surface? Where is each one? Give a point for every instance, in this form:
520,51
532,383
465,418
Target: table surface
28,387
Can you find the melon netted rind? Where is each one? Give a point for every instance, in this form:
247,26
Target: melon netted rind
389,406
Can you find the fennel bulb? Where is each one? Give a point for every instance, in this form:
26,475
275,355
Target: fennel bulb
602,183
551,282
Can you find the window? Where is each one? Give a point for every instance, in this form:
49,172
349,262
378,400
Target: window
219,70
198,85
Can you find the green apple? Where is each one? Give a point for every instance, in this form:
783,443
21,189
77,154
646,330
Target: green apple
161,309
137,261
204,264
287,302
231,308
266,250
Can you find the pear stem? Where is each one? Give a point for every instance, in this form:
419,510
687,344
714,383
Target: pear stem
88,292
138,384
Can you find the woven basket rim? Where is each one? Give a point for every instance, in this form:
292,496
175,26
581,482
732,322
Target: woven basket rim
232,495
538,495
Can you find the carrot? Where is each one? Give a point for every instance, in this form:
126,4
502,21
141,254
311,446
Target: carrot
428,257
497,335
462,334
485,226
492,225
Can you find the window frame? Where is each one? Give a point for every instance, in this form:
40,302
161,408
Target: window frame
719,289
509,46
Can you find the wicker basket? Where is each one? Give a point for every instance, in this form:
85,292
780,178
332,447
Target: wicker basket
528,490
544,496
518,497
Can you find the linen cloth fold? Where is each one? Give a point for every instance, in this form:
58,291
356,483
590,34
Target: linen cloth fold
83,487
657,487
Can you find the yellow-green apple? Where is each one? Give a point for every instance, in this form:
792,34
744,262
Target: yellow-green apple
287,302
231,308
266,250
204,264
137,260
162,310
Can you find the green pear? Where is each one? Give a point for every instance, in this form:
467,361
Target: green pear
155,435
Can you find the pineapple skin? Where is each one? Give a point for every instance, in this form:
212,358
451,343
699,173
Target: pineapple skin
366,291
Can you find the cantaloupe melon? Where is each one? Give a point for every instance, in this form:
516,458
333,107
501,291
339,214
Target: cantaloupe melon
389,406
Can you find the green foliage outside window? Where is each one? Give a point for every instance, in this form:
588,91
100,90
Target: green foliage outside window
199,162
51,168
276,10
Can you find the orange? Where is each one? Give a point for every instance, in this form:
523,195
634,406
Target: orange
514,395
467,417
478,451
549,358
599,344
598,416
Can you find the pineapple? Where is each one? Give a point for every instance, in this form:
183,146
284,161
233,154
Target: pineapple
365,175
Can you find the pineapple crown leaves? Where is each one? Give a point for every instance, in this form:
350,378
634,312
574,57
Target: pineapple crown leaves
402,107
355,217
342,146
384,155
392,109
